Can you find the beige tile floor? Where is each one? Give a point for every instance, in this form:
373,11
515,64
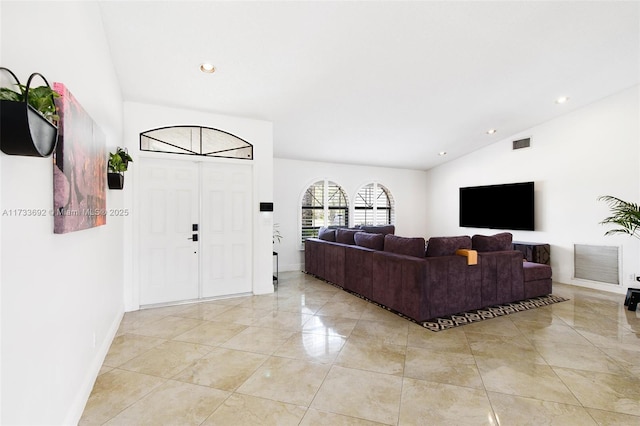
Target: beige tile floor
312,354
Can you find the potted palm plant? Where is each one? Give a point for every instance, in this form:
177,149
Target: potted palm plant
625,215
118,164
28,118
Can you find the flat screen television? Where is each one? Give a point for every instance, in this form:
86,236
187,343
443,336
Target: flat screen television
508,206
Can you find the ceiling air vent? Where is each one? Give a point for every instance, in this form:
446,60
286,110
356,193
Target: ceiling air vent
522,143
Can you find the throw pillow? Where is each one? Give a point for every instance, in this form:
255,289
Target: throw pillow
327,234
381,229
404,245
369,240
447,246
345,235
497,242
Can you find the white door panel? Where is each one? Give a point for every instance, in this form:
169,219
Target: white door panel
177,194
169,206
226,229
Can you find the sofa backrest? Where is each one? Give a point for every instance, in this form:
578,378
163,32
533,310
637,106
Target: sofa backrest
327,234
497,242
345,235
379,229
369,240
447,246
404,245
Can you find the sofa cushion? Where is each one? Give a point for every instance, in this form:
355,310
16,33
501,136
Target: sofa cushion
447,246
536,271
404,245
380,229
369,240
327,234
497,242
345,235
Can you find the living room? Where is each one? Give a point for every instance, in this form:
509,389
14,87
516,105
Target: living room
63,296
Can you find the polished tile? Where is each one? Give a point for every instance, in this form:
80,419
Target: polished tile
630,360
454,340
167,359
523,378
128,346
578,357
450,368
557,333
503,347
350,308
313,354
258,339
609,392
372,355
222,368
167,327
113,392
394,333
330,326
312,347
516,410
320,418
242,315
429,403
283,320
361,394
273,380
203,311
246,410
211,333
172,403
610,418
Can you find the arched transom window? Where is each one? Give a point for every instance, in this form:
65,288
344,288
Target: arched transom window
373,205
324,203
196,140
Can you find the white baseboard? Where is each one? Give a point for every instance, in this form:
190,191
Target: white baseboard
77,408
292,267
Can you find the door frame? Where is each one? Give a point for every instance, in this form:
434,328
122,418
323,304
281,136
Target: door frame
260,243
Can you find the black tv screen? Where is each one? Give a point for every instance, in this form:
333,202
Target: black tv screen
508,206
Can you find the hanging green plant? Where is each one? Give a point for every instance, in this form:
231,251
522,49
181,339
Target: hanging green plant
41,98
119,161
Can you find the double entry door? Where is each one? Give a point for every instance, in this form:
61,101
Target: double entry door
195,230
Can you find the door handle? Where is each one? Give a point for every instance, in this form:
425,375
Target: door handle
194,237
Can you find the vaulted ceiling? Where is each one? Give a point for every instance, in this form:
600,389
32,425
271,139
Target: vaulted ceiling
388,83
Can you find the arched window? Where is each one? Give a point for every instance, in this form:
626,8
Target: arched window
324,203
373,206
196,140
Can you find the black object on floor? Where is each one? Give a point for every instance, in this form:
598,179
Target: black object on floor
632,299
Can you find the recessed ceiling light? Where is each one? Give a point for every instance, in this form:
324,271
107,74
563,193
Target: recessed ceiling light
562,99
491,131
207,68
442,153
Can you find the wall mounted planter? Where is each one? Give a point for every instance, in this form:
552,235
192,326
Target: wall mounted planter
115,180
23,130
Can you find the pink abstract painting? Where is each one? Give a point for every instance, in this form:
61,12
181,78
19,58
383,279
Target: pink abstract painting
79,168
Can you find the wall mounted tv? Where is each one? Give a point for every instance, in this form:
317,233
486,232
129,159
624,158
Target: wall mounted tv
507,206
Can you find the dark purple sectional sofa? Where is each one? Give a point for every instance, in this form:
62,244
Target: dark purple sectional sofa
423,283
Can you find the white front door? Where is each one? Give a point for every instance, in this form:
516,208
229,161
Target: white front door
226,229
178,197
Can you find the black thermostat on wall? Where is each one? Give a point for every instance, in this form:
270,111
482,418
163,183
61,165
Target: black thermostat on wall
266,207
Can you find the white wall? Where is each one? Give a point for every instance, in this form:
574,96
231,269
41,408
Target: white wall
58,291
293,177
573,160
141,117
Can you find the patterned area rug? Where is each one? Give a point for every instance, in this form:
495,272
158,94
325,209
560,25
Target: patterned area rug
464,318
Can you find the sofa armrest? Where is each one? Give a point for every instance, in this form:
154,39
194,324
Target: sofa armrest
471,255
